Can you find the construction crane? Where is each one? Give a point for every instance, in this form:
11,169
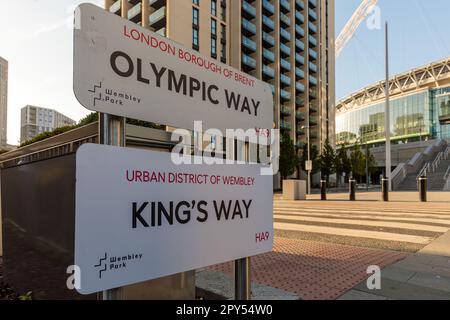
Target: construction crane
353,24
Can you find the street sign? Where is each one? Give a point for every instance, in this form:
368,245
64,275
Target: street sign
308,165
141,217
123,69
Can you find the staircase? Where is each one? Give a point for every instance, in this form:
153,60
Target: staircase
434,169
436,180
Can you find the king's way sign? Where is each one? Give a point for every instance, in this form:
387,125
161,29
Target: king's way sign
123,69
141,217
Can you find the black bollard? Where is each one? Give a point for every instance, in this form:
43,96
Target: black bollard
323,190
385,189
423,187
352,184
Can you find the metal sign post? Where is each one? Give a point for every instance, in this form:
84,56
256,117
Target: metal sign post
112,132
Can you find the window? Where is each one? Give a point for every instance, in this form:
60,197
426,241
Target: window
195,17
195,29
214,28
214,7
195,40
214,48
196,2
224,10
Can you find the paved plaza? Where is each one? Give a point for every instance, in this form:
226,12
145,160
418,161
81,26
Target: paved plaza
323,249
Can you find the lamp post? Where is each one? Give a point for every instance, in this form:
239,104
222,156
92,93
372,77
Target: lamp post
308,169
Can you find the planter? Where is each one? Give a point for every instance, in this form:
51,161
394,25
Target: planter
294,190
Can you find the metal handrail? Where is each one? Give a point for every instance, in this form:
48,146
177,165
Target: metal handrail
437,161
447,174
425,170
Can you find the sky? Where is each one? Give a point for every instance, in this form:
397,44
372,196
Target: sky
36,38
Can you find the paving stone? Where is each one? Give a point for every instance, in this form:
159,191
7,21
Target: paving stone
431,281
392,289
397,274
360,295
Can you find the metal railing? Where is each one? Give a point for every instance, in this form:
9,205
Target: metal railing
425,170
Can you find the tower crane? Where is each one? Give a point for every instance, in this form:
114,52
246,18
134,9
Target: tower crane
353,24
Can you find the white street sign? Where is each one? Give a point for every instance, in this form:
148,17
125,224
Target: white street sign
123,69
140,217
308,165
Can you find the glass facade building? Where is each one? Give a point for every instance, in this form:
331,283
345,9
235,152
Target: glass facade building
422,114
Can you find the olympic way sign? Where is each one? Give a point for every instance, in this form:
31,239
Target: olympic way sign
123,69
140,217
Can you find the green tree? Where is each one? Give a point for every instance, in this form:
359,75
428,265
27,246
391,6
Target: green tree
314,156
327,161
343,163
358,162
288,157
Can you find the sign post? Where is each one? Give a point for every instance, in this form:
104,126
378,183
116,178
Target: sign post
124,70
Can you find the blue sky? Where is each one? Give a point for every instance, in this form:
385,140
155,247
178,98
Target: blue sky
39,49
419,34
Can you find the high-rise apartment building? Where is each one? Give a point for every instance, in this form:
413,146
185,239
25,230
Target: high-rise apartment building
36,120
288,44
3,102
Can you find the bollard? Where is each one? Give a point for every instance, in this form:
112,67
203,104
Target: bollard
352,184
323,190
385,189
423,187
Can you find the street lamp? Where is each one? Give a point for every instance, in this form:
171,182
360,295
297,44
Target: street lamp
308,165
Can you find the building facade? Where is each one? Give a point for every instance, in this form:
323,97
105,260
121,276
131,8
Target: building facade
36,120
3,102
419,108
288,44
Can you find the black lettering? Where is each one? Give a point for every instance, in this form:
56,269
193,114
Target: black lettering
140,78
232,101
194,85
223,209
113,61
256,106
247,206
181,84
137,215
186,213
168,215
202,210
158,74
210,97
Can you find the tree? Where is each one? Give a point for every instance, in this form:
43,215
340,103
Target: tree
343,163
327,161
358,162
314,156
288,157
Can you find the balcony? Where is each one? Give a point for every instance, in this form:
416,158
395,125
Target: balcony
313,67
134,14
286,21
313,3
285,35
248,45
300,102
300,87
312,41
268,24
299,59
248,10
300,4
285,80
268,71
115,7
312,94
300,31
285,95
285,50
299,17
313,121
157,19
268,56
300,144
312,14
300,132
312,54
285,6
312,27
299,45
313,81
268,39
285,125
248,27
248,61
313,108
285,65
299,73
268,8
300,116
285,111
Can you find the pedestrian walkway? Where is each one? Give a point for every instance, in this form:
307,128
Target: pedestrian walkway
401,226
303,269
422,276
